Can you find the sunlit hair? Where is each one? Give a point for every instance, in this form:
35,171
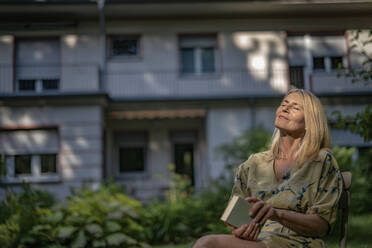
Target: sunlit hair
316,128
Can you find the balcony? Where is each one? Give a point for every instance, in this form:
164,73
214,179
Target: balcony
329,83
40,79
161,84
170,84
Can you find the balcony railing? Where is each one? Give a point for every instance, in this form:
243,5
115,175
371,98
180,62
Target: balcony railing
329,82
48,78
127,84
152,84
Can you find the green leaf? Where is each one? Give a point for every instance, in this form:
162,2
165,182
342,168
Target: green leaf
99,243
53,218
112,226
144,245
80,241
66,232
120,238
94,229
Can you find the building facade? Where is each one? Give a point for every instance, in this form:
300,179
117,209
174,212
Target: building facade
125,89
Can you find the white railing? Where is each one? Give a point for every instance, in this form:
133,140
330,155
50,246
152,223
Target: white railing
171,84
157,83
329,82
69,78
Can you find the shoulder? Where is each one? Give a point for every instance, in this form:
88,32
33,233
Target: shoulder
262,156
257,158
326,158
323,154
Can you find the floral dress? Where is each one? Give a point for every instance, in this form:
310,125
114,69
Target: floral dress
310,188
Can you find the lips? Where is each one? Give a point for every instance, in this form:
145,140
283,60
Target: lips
283,117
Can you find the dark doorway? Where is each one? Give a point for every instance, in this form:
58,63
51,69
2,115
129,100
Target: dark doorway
184,160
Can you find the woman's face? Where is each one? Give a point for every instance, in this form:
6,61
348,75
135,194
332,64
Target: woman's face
290,117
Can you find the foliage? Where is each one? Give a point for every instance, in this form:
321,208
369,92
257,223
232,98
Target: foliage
361,188
251,141
359,41
17,215
184,216
102,218
360,123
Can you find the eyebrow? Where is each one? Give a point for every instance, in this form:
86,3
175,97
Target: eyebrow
294,103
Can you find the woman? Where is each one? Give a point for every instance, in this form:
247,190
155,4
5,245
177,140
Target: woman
295,186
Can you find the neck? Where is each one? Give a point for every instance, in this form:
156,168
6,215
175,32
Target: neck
288,147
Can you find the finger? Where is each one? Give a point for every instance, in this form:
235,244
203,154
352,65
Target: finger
254,209
238,232
253,233
262,212
248,231
252,199
257,233
231,227
268,214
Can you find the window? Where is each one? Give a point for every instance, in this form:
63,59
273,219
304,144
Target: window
132,159
336,62
27,84
50,84
318,63
124,46
132,149
48,163
37,64
22,164
29,155
198,54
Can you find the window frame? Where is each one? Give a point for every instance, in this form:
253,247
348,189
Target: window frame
36,176
135,175
143,158
111,56
198,60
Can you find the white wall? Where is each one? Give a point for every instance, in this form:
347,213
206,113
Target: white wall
222,125
81,150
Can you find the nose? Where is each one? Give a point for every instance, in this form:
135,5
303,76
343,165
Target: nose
285,108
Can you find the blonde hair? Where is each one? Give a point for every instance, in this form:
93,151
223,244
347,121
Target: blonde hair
316,128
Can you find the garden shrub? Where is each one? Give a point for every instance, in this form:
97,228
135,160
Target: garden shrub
18,213
361,187
183,216
102,218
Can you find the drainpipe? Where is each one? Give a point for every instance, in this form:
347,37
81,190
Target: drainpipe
102,65
102,81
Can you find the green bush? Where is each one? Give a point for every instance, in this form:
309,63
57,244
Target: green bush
361,187
102,218
183,217
17,215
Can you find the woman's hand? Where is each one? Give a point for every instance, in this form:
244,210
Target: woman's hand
262,211
247,232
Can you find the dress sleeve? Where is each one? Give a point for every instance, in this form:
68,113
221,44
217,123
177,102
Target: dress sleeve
328,192
240,186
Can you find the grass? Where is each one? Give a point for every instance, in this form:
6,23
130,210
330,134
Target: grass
360,234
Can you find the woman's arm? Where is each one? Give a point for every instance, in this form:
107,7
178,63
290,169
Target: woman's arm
304,224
